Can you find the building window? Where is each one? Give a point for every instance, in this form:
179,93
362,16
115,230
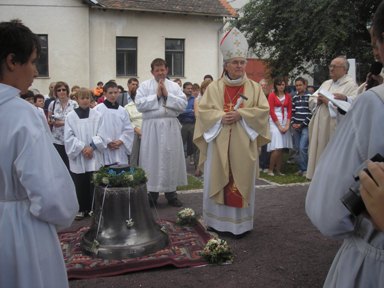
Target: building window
174,55
42,62
126,56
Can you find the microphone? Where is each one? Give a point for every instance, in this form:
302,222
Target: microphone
375,69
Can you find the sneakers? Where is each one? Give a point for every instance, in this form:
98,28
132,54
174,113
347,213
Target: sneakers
270,173
175,203
280,174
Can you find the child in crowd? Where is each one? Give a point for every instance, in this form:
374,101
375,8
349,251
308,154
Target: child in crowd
116,131
81,127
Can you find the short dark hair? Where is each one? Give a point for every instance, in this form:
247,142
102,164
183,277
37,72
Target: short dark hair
302,79
19,40
37,96
208,76
109,84
132,79
378,23
158,62
100,83
187,84
28,94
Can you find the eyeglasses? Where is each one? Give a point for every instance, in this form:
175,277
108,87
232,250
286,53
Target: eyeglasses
238,62
335,66
61,90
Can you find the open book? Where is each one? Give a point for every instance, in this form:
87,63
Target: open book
343,105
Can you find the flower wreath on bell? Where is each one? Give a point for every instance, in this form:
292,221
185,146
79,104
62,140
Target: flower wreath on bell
113,176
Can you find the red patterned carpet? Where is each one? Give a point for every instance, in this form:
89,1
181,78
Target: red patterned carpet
184,249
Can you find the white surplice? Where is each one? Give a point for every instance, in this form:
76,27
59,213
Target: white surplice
161,151
115,125
360,260
79,133
37,196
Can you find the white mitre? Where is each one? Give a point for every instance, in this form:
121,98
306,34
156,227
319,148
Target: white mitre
234,44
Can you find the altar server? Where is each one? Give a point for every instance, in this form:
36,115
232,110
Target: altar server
116,131
37,195
81,128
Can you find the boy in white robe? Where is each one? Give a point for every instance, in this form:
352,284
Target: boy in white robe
116,131
37,195
81,127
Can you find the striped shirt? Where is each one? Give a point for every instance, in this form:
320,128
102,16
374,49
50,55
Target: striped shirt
301,114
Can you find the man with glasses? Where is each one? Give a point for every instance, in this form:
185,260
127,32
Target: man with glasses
231,125
325,114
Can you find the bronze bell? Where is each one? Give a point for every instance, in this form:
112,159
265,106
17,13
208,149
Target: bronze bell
123,225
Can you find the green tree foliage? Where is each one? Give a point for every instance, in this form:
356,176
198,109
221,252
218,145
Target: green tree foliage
293,34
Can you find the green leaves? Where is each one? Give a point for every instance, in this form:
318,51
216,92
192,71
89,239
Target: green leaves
294,34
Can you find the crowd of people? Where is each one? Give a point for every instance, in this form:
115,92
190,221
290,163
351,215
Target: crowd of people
228,128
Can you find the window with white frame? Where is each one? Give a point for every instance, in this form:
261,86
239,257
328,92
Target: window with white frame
174,56
42,63
126,56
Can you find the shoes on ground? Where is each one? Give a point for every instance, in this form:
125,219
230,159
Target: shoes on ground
175,203
280,174
270,173
80,216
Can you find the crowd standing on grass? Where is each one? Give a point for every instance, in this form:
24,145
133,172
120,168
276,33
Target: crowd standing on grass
239,128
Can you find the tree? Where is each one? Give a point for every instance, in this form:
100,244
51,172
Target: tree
295,34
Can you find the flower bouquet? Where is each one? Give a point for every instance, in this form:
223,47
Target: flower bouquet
217,251
119,176
186,216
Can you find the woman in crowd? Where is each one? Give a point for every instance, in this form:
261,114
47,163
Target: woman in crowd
57,112
280,104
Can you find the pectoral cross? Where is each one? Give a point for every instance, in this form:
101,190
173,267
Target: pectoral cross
230,106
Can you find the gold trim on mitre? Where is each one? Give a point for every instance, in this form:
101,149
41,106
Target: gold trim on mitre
234,44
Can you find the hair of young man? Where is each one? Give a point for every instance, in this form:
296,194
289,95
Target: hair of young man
302,79
28,94
378,23
99,83
195,87
84,93
109,84
38,96
60,84
19,40
208,76
158,62
187,84
133,79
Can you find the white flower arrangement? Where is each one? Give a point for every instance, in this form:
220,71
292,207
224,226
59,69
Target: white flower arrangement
217,251
186,216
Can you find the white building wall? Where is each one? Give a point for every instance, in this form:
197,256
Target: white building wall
66,24
82,41
201,35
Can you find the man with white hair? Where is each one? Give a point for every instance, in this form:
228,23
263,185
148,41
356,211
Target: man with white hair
325,114
232,123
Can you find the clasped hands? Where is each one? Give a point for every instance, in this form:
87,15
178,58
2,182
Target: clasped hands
230,117
162,90
87,152
114,145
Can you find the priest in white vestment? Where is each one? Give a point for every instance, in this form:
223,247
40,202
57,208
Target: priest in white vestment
161,152
37,195
232,123
325,115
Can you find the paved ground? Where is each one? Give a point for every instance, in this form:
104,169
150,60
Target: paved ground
283,250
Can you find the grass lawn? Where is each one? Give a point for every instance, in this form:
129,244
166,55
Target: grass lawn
193,183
